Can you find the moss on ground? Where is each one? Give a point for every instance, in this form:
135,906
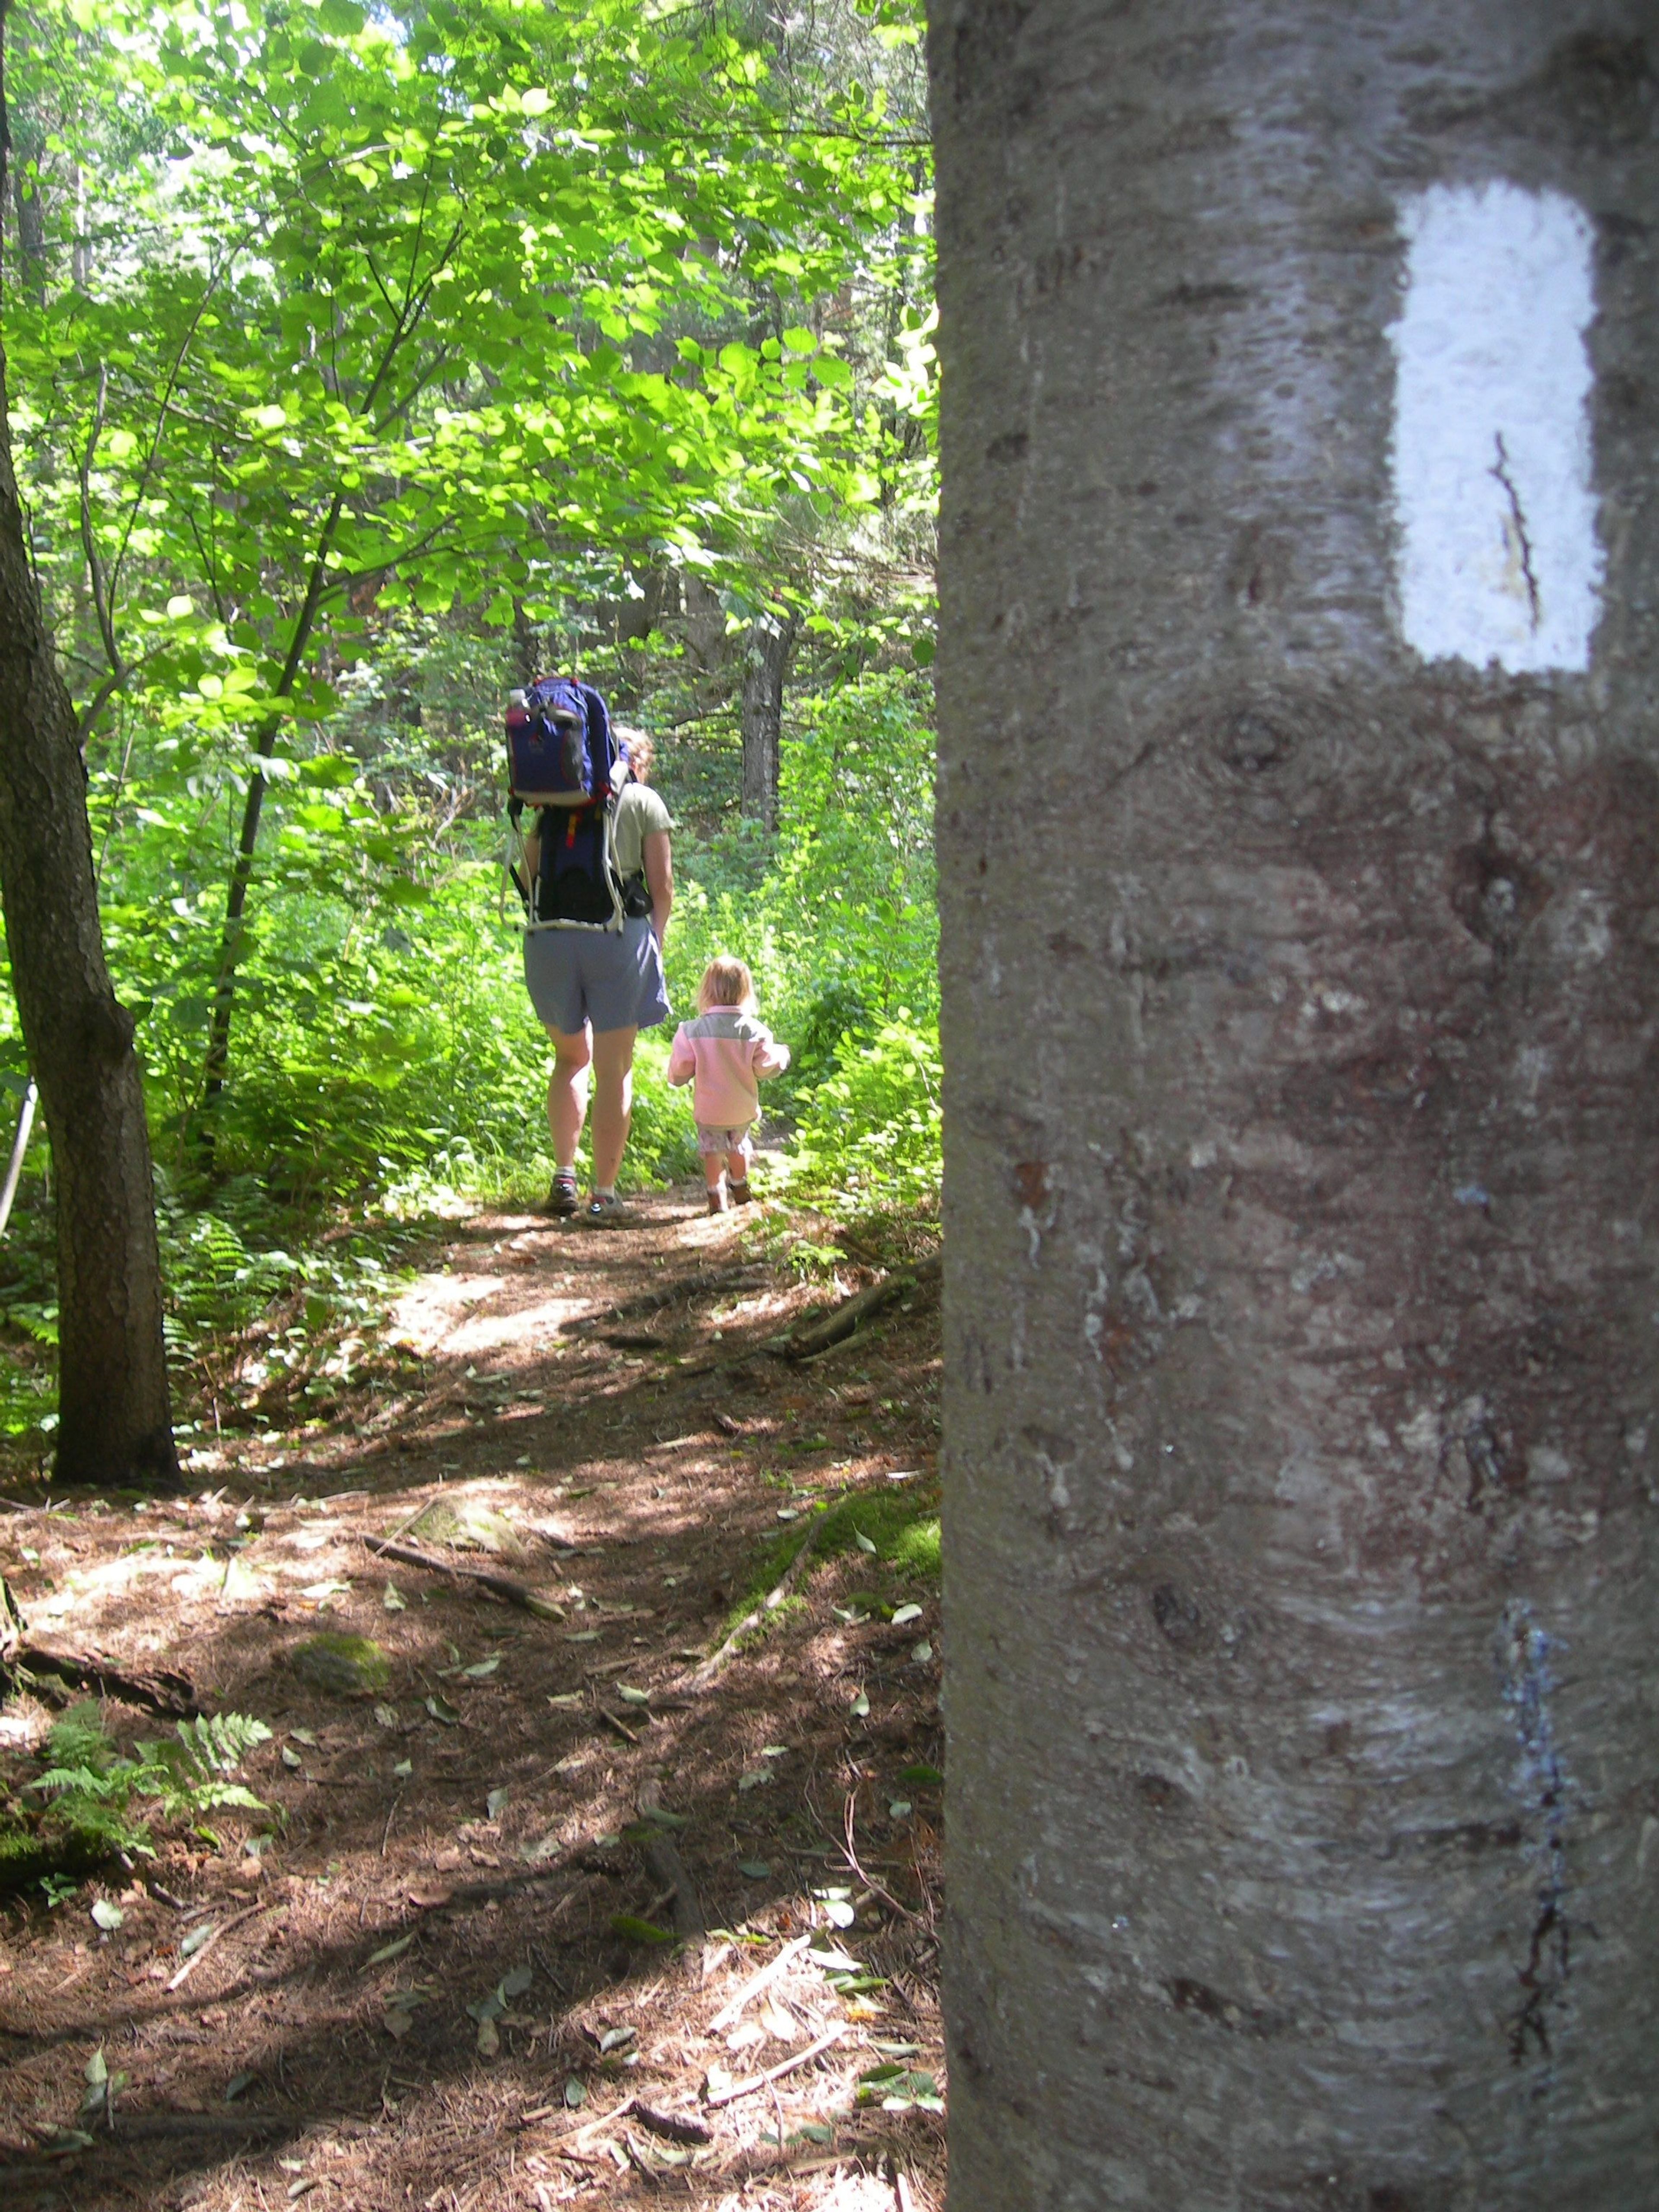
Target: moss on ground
900,1528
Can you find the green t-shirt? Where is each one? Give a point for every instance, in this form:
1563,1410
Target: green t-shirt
639,812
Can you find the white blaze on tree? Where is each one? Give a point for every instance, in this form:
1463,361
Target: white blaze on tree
1498,554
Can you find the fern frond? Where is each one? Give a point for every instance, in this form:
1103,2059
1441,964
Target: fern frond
217,1744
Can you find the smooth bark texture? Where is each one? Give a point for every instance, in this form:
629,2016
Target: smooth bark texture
1300,1003
766,651
115,1423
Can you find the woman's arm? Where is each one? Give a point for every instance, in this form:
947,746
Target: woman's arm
660,879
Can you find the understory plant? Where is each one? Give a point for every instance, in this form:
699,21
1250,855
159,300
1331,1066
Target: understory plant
92,1787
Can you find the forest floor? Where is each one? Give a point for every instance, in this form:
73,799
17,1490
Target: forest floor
440,1971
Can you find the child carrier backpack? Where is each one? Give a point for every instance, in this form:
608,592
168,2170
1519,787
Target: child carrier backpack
563,759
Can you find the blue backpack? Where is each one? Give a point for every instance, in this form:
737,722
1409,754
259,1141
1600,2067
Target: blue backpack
560,751
563,759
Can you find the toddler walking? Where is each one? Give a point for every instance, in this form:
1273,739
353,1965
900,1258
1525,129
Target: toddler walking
727,1051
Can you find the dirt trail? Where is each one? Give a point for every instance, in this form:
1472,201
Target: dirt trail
443,1970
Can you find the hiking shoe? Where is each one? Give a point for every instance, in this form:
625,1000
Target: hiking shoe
741,1193
717,1200
561,1200
606,1212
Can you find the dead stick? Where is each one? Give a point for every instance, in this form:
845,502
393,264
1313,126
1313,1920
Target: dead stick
621,1726
703,1675
776,2073
753,1988
515,1593
223,1930
678,2127
869,1880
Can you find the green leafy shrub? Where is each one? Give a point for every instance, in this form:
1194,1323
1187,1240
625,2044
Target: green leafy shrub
869,1134
90,1785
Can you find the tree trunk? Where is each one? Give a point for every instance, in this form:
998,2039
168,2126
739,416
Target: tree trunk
114,1424
1298,816
766,652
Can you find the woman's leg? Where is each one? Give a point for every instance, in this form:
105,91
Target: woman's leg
566,1094
613,1102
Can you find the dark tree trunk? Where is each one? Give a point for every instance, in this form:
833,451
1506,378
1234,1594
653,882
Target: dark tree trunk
766,652
113,1416
1299,816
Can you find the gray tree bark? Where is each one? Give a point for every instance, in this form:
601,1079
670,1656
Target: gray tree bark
1301,990
115,1423
766,651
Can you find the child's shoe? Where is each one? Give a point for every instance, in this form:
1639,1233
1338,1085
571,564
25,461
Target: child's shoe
717,1198
741,1193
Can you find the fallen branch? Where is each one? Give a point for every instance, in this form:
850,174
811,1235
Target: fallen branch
776,2073
702,1676
869,1880
691,1287
212,1943
768,1974
852,1312
678,2127
162,1692
515,1593
664,1865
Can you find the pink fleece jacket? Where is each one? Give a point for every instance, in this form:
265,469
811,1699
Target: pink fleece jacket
728,1051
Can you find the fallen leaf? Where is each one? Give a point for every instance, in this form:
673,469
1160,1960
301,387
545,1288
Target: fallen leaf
900,1809
429,1897
630,1696
106,1915
290,1758
394,1599
394,1950
515,1983
922,1654
192,1942
305,1737
443,1712
568,1701
754,1869
906,1612
404,1766
489,2041
860,1705
495,1802
863,1541
484,1666
237,2083
575,2093
758,1778
396,2024
583,1636
635,1931
614,2037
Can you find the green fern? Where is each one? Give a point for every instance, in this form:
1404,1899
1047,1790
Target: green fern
92,1787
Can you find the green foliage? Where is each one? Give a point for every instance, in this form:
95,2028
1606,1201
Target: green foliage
869,1136
369,357
900,1527
91,1785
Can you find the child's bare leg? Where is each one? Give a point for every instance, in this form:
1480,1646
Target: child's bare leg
739,1167
714,1167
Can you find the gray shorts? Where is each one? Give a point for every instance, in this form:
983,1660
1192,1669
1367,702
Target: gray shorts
611,979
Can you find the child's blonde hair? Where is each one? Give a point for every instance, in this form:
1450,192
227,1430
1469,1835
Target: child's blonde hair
727,983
